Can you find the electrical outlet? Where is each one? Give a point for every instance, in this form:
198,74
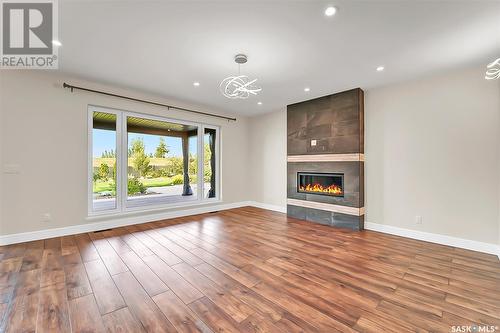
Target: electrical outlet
11,169
418,219
46,217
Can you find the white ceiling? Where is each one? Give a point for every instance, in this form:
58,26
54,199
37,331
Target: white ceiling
162,47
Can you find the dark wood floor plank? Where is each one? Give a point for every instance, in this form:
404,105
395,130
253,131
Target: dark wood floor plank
8,284
114,238
106,294
243,270
53,312
109,257
122,321
184,243
69,251
14,251
246,295
87,249
52,267
182,288
475,305
215,318
32,258
306,311
136,245
183,319
235,308
257,323
77,282
11,265
52,243
179,251
141,305
149,280
428,323
85,315
234,272
21,312
165,254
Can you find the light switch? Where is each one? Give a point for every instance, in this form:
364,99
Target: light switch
313,143
12,169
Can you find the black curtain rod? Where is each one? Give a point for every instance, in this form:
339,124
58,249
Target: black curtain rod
71,87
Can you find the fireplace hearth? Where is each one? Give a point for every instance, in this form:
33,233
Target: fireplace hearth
321,183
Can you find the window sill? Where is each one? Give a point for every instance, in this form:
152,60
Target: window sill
149,210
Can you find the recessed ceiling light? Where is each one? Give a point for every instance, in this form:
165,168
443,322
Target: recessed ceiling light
196,84
330,11
380,68
56,42
259,103
307,89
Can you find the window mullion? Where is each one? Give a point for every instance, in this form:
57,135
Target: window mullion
123,161
90,168
201,159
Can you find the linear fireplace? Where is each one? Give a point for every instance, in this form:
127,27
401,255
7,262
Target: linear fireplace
321,183
325,160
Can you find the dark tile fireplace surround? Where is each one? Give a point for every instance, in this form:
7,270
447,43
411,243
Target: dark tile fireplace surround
326,160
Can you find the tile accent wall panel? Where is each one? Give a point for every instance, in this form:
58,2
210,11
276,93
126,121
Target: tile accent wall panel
361,101
333,121
336,123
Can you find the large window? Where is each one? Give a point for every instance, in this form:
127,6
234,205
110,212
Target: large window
140,162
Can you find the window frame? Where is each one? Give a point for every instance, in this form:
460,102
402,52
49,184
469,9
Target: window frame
217,162
122,160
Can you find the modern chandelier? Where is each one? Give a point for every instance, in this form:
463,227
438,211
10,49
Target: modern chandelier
240,86
493,70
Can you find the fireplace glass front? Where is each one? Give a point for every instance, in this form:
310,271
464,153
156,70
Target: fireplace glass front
321,183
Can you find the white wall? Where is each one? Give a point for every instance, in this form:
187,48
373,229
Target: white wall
432,149
44,131
268,158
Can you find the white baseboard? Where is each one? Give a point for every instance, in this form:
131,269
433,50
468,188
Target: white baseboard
114,223
436,238
276,208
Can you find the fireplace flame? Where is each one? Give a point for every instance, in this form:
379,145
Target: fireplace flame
318,188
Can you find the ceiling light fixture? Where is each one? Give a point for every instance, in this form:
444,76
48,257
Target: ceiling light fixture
56,42
239,86
330,11
493,70
259,103
307,89
196,84
380,68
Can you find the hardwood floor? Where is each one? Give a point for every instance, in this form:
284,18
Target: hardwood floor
243,270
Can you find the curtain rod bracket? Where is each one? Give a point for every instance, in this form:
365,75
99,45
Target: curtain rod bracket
72,87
